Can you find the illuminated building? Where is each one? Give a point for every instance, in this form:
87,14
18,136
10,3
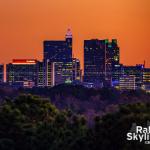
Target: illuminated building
94,61
58,60
137,71
100,59
59,51
59,66
146,80
22,72
116,74
40,74
47,73
1,73
146,76
62,73
77,72
112,65
127,82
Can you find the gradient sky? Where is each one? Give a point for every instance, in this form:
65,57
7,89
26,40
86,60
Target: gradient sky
24,24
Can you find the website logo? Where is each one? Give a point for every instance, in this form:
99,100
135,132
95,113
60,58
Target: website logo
139,133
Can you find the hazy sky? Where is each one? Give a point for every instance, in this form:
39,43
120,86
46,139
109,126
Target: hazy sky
24,24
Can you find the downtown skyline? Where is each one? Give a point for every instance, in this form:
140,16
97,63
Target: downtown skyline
24,26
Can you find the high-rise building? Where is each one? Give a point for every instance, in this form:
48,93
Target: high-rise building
94,61
127,82
1,73
22,72
100,59
59,51
112,60
59,66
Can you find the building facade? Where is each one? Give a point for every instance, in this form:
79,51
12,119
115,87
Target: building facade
76,68
22,72
59,51
59,66
127,82
146,76
94,61
137,71
100,59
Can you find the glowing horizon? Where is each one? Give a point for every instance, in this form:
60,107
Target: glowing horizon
26,24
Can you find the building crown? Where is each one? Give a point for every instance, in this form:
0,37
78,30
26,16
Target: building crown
69,33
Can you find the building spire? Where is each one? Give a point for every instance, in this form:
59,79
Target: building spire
69,33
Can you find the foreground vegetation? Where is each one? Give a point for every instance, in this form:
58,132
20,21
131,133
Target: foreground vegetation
30,122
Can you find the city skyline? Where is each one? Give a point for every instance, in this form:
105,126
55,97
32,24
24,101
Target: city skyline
26,24
102,67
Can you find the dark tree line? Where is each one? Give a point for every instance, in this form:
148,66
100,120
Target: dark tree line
30,122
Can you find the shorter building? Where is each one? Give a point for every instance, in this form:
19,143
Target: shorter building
62,73
146,76
146,87
136,71
22,72
77,72
127,82
40,74
55,73
146,80
1,73
116,74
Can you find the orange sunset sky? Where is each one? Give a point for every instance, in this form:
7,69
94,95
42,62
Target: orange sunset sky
24,24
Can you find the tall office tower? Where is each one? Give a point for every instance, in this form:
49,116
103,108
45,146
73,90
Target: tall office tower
58,56
94,61
1,73
22,73
112,53
77,72
112,59
137,71
59,51
101,58
127,82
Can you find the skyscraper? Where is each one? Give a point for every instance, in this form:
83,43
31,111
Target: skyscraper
100,59
94,61
112,60
58,56
59,51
